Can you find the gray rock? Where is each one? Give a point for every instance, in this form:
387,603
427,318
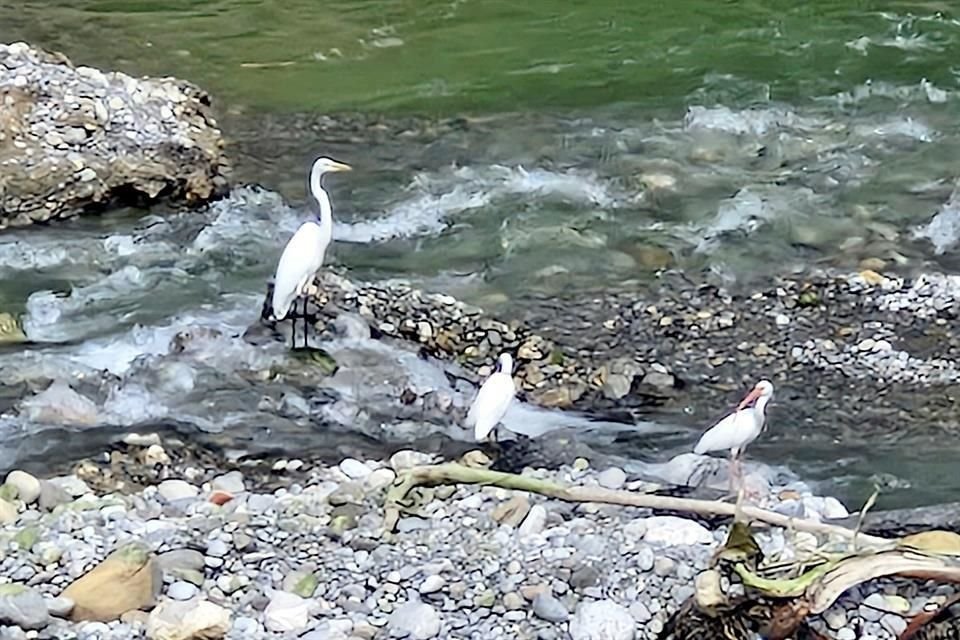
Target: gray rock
181,590
645,559
60,607
286,613
52,495
584,576
354,469
602,620
547,607
846,634
664,566
217,548
23,606
418,620
173,490
893,623
258,503
179,560
27,486
535,521
612,478
432,584
640,612
231,482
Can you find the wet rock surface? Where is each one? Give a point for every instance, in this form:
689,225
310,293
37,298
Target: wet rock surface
73,139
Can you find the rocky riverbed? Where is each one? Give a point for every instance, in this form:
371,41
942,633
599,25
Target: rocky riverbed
151,540
835,345
75,139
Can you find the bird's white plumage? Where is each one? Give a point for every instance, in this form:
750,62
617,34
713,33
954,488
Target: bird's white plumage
300,260
304,253
741,427
493,399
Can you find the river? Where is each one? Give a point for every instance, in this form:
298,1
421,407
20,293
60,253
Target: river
500,148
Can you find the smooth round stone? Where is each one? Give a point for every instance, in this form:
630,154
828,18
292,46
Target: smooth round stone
28,487
547,607
354,469
432,584
612,478
173,490
182,590
231,482
217,548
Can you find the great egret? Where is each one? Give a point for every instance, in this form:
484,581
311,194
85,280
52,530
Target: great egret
740,428
303,255
492,400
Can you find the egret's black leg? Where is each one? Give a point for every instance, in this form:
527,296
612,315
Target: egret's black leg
293,327
306,325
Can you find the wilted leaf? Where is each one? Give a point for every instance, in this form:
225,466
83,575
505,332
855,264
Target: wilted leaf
940,542
854,570
740,547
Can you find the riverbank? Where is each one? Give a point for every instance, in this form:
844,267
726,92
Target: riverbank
290,547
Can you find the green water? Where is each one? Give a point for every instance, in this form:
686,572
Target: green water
460,56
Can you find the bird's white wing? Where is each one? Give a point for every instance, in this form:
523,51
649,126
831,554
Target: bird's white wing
729,433
301,258
490,405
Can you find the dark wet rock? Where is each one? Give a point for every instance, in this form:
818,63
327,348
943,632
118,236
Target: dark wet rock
74,139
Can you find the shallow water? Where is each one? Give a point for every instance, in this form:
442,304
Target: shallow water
566,147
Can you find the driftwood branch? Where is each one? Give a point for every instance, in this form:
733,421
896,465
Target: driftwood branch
452,473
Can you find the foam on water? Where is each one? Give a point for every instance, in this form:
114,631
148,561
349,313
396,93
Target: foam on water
943,230
439,198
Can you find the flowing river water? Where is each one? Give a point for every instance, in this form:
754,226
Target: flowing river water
515,148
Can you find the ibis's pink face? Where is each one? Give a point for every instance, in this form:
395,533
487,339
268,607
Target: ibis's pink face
751,397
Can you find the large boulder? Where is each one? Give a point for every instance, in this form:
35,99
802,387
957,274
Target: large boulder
74,139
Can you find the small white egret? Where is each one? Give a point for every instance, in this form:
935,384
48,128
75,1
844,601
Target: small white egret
740,428
492,400
303,255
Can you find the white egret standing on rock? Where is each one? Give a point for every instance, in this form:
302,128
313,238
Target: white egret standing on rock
740,428
303,255
492,400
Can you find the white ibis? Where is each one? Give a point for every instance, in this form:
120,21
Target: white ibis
303,255
492,400
740,428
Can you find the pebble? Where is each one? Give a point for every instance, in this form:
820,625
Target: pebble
432,584
418,620
27,486
174,490
354,469
23,606
535,521
182,590
286,613
231,482
602,620
612,478
547,607
671,530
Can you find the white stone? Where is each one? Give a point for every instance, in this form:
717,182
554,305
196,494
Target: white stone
419,621
354,469
834,509
171,490
602,620
286,613
188,620
535,521
432,584
379,479
612,478
674,531
635,529
28,487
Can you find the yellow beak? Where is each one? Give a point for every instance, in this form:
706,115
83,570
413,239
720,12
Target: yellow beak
339,166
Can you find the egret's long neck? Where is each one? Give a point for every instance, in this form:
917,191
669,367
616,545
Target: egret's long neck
323,202
760,407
